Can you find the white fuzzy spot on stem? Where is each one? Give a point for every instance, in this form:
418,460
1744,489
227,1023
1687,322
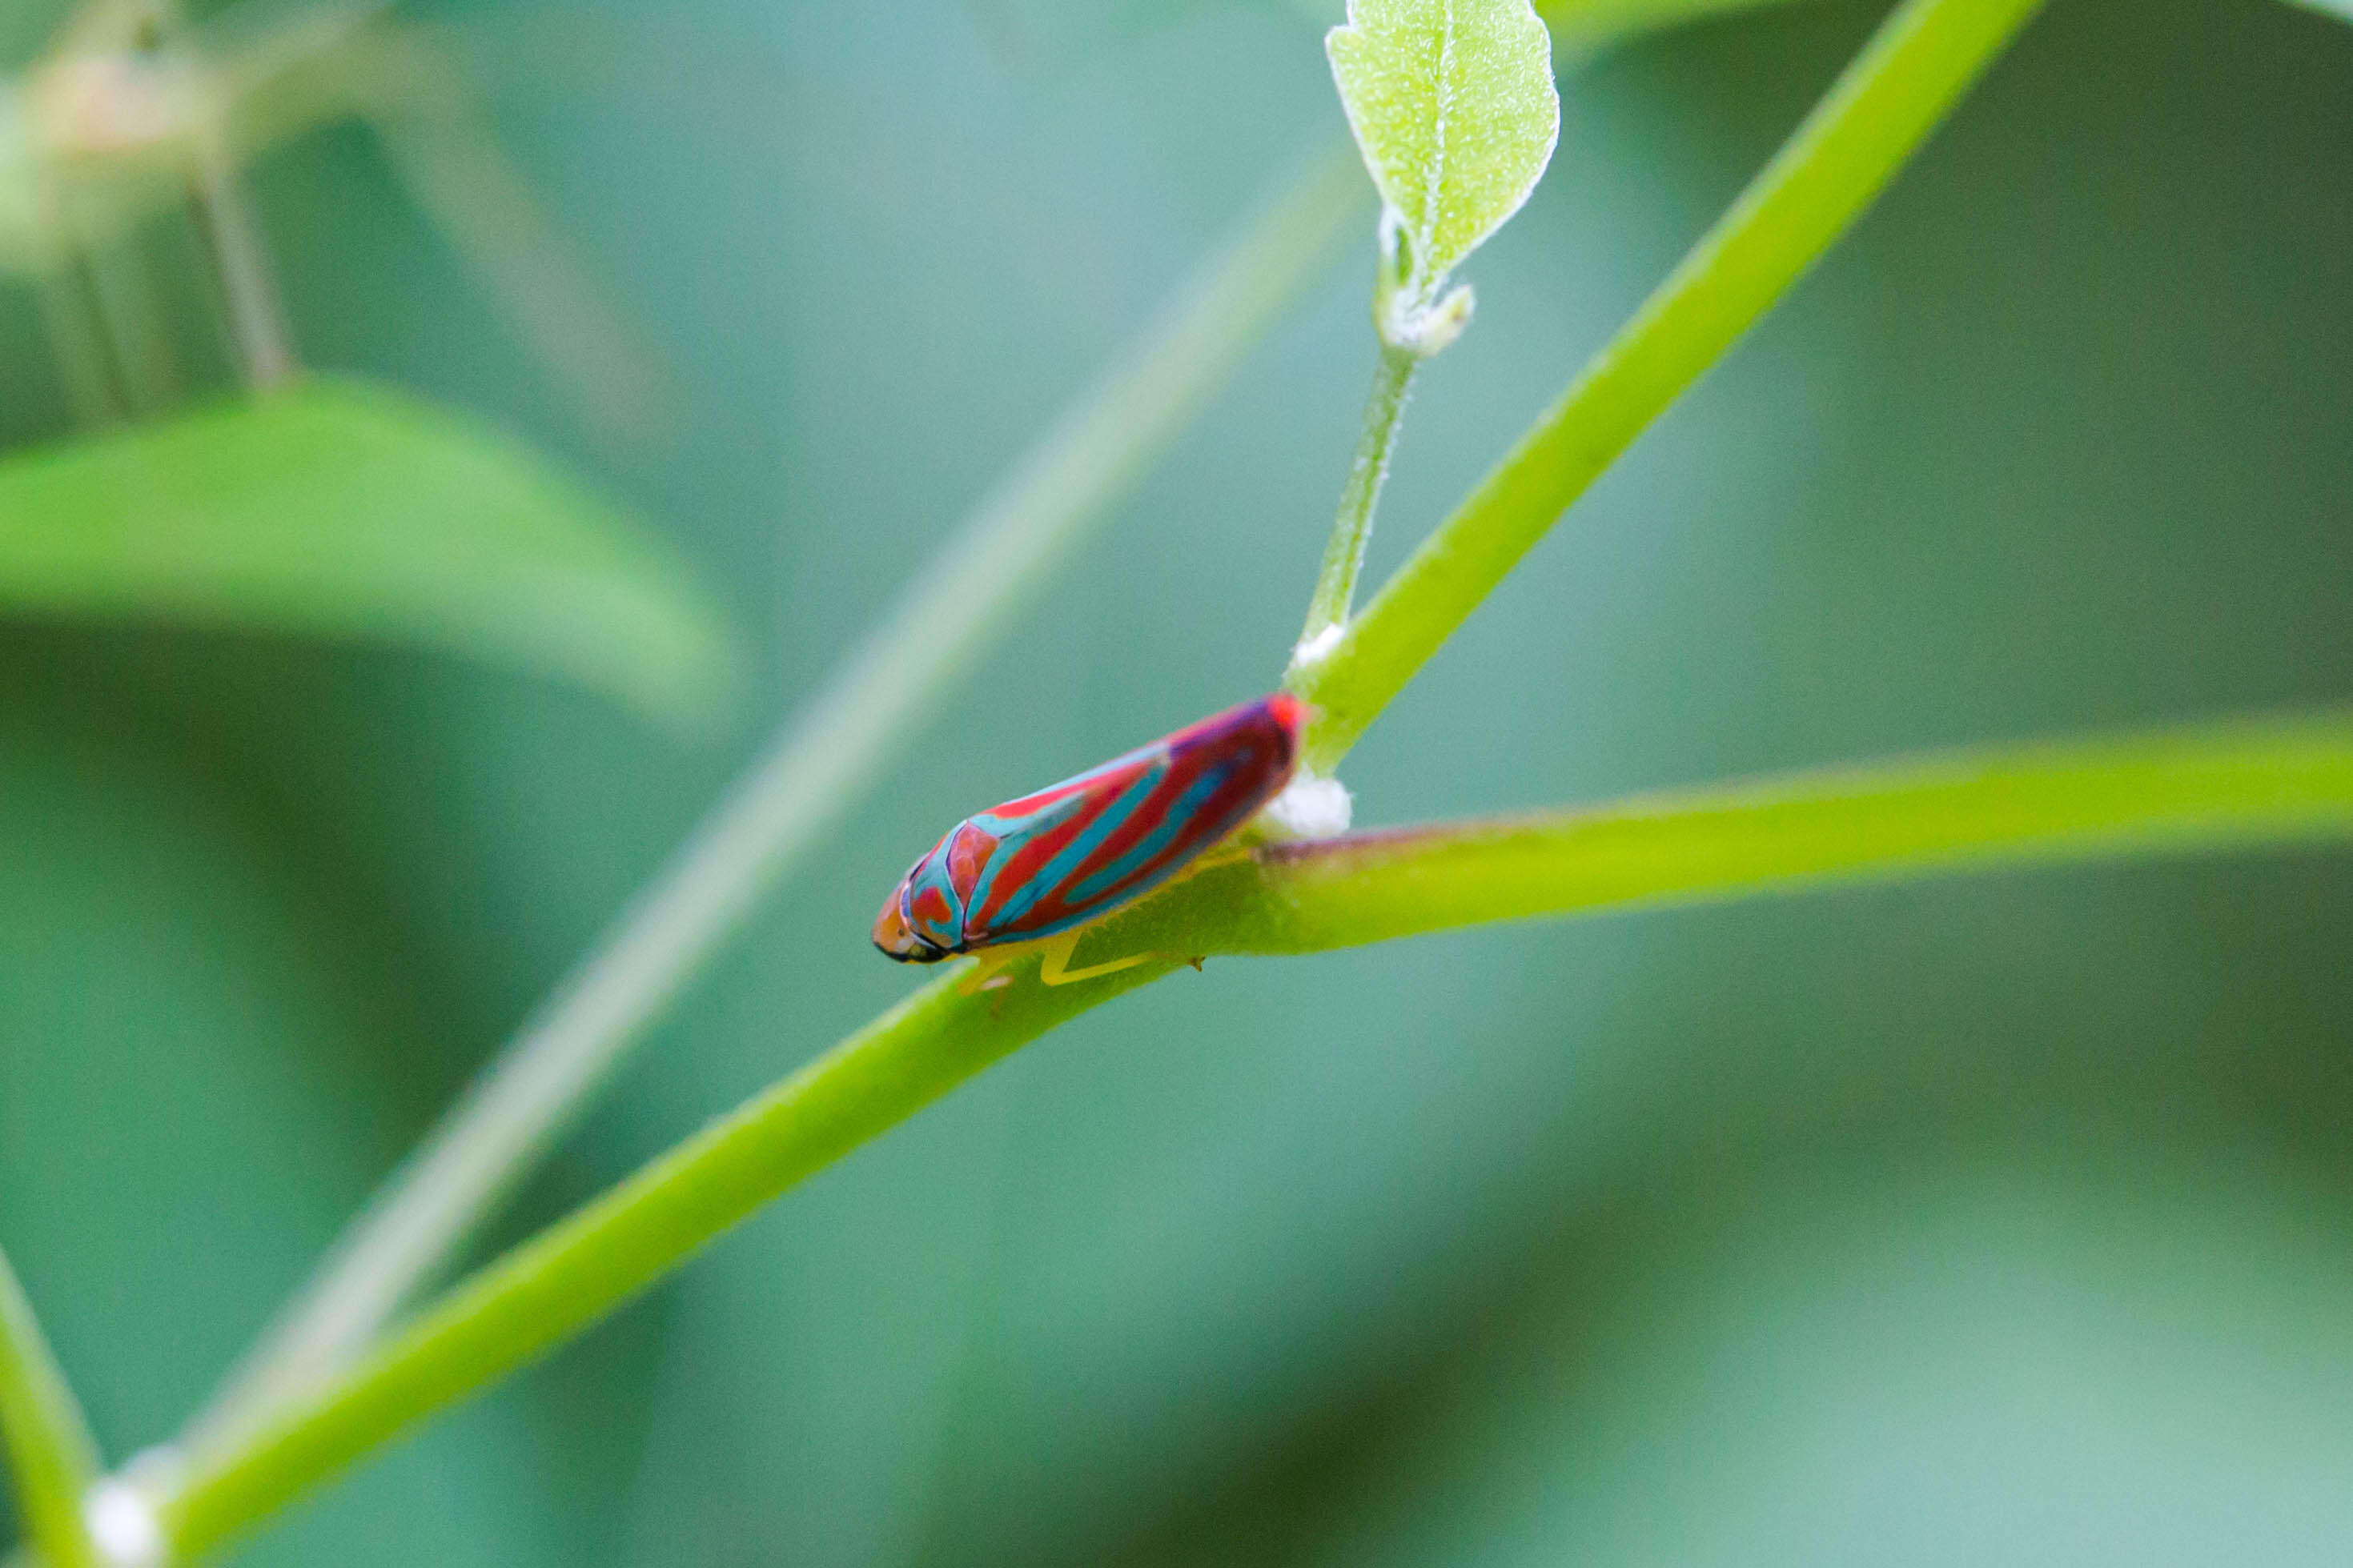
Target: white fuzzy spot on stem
1311,807
1315,649
123,1525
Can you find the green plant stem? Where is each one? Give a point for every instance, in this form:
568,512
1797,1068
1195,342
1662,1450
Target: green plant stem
1913,71
573,1273
51,1454
2282,782
441,146
1352,530
816,763
2203,789
522,1102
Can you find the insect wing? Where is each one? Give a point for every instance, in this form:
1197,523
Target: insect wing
1123,828
1043,837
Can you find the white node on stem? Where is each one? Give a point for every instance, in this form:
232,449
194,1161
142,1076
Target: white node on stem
1311,807
123,1525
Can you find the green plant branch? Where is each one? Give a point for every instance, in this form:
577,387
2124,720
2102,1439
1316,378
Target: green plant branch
1352,530
816,763
572,1274
2194,789
2282,782
522,1102
1913,71
51,1455
1920,60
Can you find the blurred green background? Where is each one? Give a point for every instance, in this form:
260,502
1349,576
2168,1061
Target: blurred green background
2000,1220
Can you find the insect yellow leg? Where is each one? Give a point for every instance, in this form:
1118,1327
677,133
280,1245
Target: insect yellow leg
1055,969
1232,850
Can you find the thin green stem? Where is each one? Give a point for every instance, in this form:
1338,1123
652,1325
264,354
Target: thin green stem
818,763
572,1274
2285,782
249,298
2201,789
442,147
1352,530
1913,71
51,1454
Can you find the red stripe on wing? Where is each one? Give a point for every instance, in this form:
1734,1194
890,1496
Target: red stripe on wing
1024,855
1258,741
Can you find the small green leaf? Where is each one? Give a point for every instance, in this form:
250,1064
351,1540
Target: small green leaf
341,510
1452,105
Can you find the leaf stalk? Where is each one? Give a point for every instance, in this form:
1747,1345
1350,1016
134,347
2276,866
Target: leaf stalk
1352,527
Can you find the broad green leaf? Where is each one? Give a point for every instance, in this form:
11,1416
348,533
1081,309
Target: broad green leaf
347,511
1452,104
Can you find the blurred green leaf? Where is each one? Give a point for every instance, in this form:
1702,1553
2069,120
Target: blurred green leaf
2342,9
343,510
1453,103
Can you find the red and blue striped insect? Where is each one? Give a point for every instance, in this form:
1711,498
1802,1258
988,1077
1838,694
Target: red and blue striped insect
1040,867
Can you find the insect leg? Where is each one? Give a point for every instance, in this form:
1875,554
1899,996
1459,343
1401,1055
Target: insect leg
1055,970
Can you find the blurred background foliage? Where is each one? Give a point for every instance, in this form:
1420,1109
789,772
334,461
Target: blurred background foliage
2001,1219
